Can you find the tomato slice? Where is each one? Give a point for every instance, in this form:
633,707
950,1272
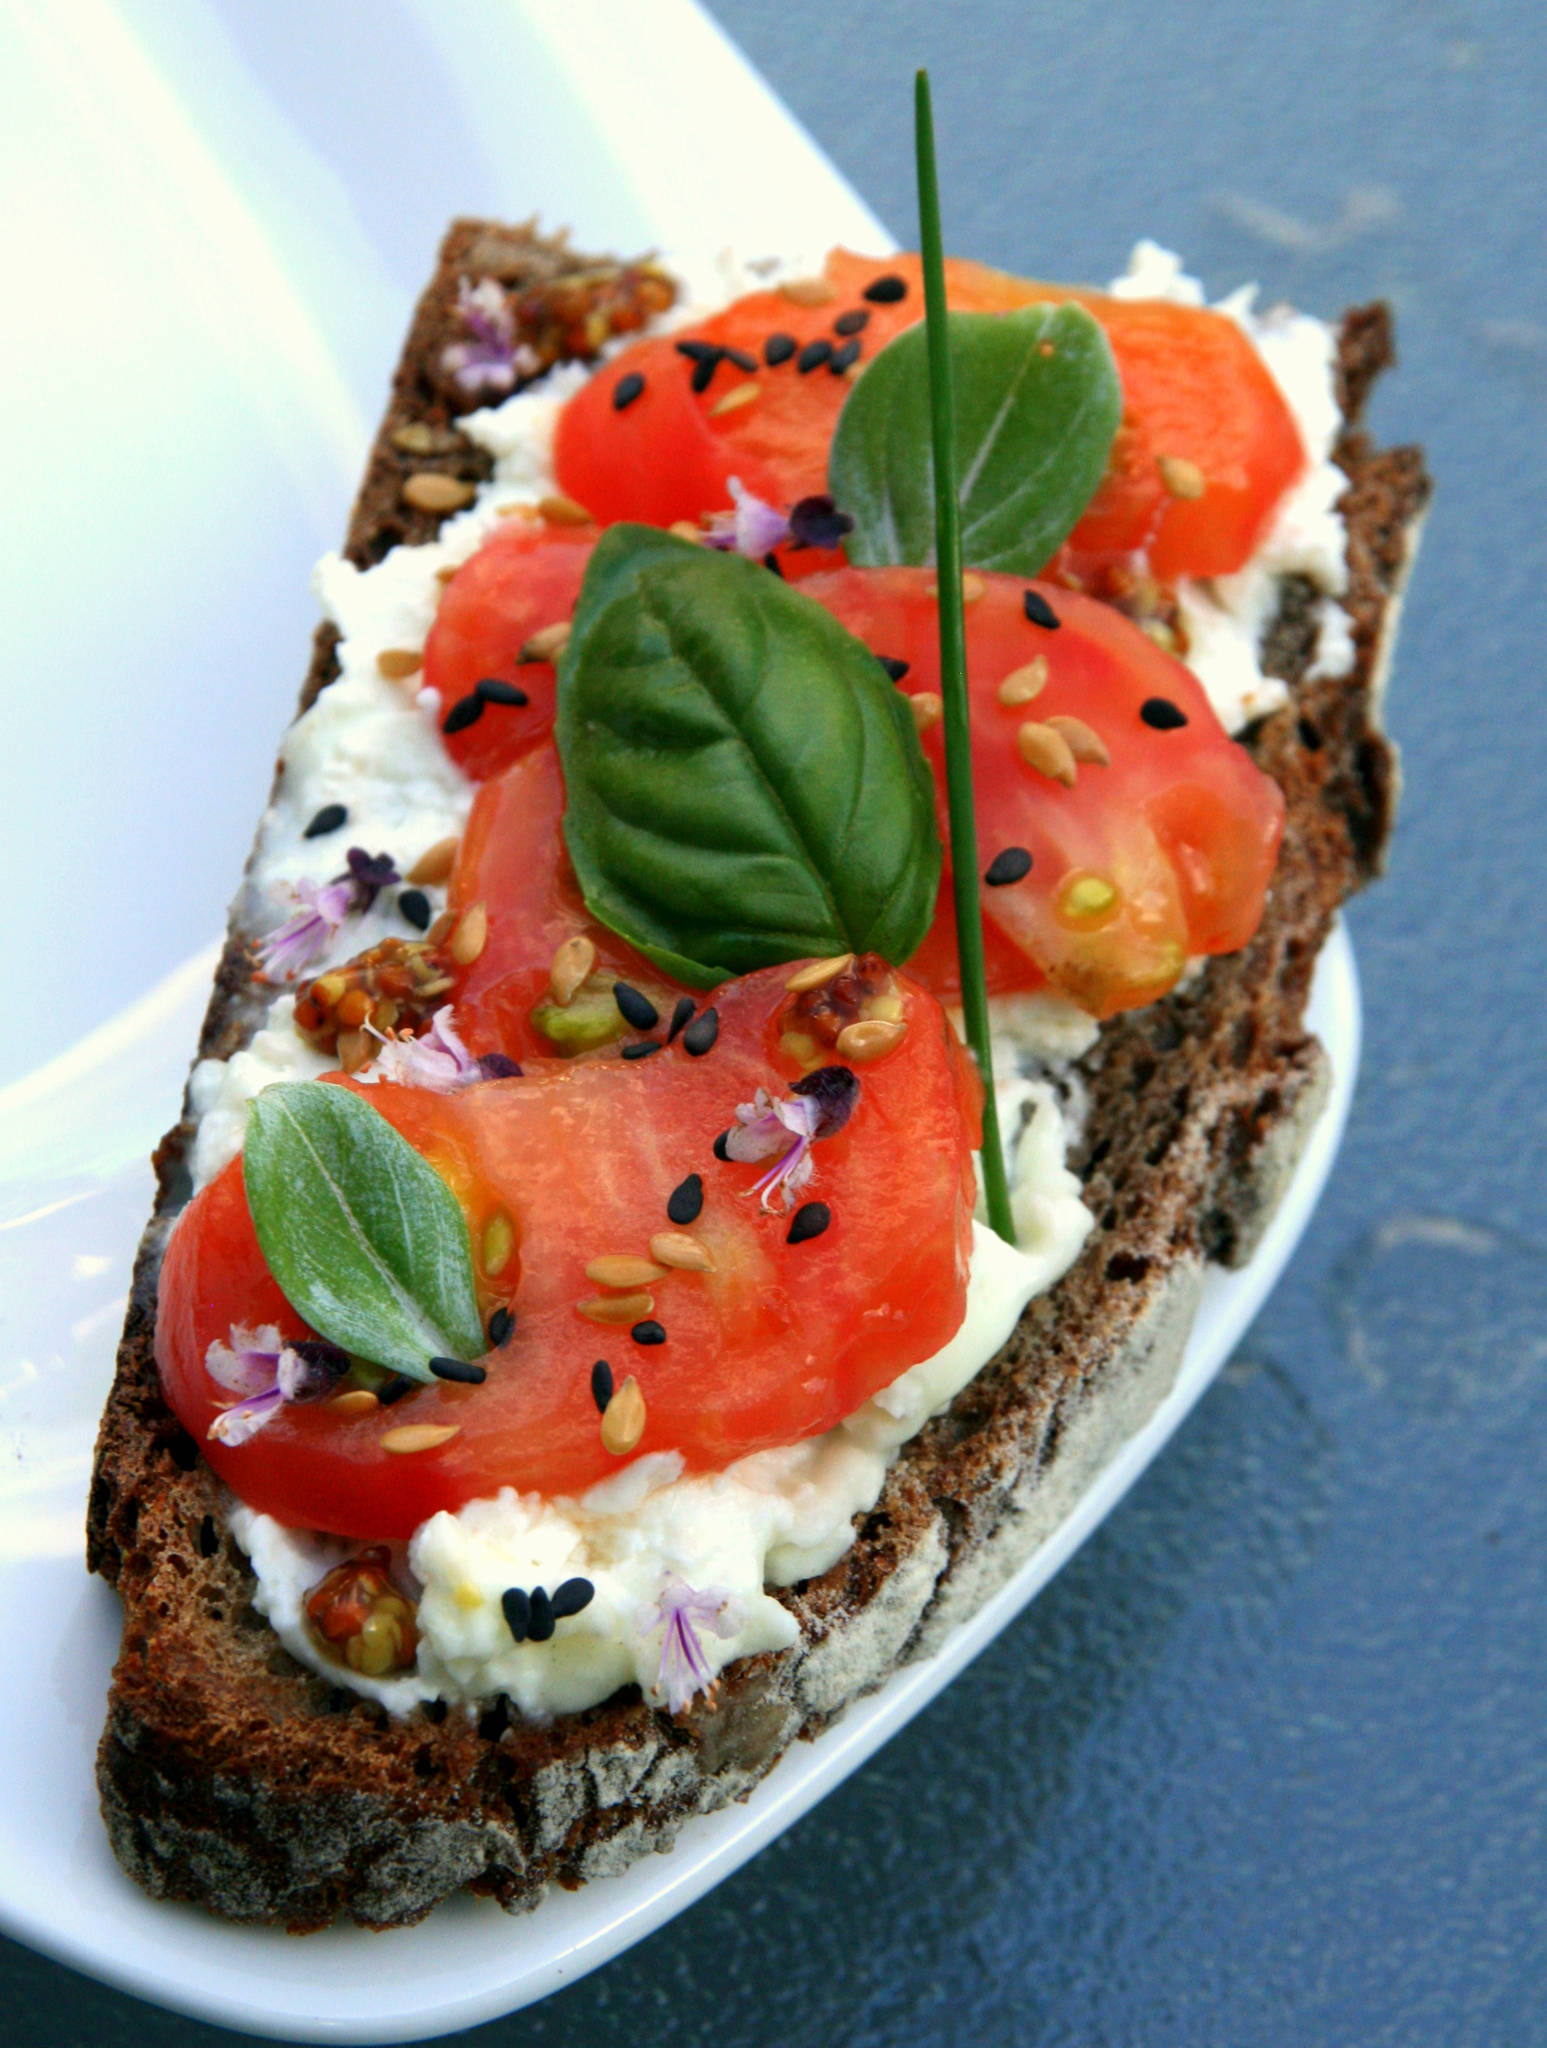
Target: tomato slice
512,858
777,1343
525,577
1165,850
1201,408
1179,824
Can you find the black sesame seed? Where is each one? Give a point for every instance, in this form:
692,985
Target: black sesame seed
501,1323
394,1389
415,906
498,1066
327,820
886,291
720,1145
1162,714
458,1370
626,390
637,1009
895,669
571,1597
740,358
702,1032
649,1332
841,358
698,351
852,323
494,691
778,348
465,712
517,1608
1038,610
679,1016
814,354
641,1048
703,371
686,1199
809,1220
601,1384
539,1620
1013,865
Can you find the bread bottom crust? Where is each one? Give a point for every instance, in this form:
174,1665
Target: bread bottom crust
233,1777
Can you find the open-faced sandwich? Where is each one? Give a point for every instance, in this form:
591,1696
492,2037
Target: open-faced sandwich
564,1366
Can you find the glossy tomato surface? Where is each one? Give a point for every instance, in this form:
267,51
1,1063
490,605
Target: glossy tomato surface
778,1342
512,858
524,578
1199,404
1163,850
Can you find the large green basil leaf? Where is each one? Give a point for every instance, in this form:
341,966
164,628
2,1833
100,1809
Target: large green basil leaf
366,1240
1038,401
744,782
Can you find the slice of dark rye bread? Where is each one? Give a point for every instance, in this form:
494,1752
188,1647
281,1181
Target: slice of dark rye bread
232,1776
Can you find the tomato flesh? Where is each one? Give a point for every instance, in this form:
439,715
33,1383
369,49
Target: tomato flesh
525,577
778,1343
1195,392
512,857
1165,851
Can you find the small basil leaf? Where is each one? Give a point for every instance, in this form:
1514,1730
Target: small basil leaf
1038,400
366,1240
744,784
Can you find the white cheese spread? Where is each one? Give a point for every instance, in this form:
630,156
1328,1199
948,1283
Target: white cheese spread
767,1520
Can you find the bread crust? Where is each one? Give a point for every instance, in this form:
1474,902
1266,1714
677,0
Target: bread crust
233,1777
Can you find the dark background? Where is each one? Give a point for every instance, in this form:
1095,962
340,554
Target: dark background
1265,1764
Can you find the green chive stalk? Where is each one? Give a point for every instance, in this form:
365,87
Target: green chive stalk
953,663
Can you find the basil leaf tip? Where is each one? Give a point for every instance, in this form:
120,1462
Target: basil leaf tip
364,1237
1038,401
744,784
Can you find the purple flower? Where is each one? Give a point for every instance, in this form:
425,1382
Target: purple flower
820,1104
438,1060
368,874
491,359
753,529
288,952
685,1670
267,1372
817,523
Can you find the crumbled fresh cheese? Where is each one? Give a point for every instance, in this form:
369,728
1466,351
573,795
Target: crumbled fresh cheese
372,745
220,1090
766,1520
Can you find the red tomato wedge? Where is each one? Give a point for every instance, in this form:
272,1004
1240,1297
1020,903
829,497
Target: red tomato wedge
525,577
1199,406
1165,850
777,1343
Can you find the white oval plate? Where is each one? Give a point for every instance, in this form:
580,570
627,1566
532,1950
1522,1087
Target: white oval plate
638,116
